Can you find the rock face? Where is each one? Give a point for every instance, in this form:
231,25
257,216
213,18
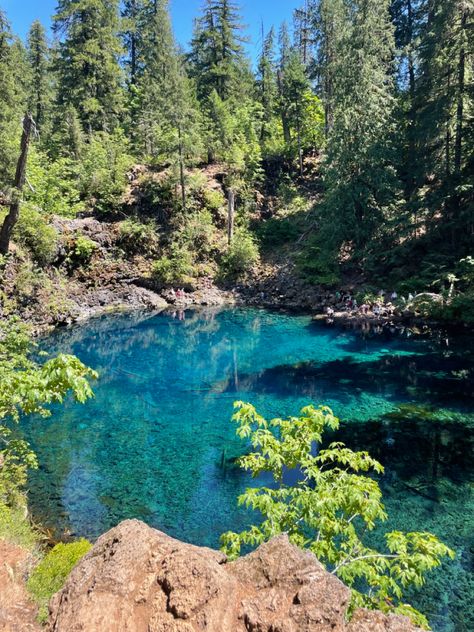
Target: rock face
136,579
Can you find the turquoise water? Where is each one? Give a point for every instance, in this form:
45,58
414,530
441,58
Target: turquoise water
157,443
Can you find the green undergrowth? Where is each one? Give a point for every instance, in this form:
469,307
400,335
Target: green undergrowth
15,527
51,573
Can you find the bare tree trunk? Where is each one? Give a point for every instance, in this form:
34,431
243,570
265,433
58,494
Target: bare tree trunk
181,169
231,217
300,150
20,178
460,104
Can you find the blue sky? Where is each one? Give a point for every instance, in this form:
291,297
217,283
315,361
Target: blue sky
22,12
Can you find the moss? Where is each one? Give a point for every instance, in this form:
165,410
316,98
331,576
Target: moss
51,573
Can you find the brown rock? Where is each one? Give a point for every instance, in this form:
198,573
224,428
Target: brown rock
137,579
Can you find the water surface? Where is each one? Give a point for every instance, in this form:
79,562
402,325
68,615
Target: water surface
156,442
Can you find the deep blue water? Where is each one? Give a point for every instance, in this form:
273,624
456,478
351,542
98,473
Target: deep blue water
157,442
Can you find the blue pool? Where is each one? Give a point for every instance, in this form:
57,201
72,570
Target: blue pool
157,443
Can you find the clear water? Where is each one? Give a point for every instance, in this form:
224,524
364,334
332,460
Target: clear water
157,443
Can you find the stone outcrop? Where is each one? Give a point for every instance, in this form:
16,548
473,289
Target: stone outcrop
136,579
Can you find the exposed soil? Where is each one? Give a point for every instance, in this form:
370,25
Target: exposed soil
17,611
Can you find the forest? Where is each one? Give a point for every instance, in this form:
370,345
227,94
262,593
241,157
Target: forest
348,143
334,170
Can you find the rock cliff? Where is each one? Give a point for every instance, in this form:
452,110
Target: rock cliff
136,579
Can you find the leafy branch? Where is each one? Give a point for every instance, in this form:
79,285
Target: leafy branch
330,510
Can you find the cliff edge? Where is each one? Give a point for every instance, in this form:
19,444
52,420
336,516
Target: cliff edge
137,579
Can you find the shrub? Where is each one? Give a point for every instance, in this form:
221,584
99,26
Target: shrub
103,170
198,234
175,268
83,249
330,510
241,256
15,527
318,266
138,237
34,232
54,187
213,199
51,573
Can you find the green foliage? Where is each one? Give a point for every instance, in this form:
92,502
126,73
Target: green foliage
81,250
241,256
28,387
318,264
103,169
49,576
16,528
138,237
330,510
34,232
88,61
173,269
54,188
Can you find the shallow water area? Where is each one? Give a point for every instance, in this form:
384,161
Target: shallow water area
157,443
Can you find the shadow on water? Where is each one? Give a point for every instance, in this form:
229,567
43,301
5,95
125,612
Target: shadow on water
397,377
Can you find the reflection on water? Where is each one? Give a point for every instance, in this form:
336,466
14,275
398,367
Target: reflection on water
156,443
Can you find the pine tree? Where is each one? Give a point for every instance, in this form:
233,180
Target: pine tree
88,65
13,79
163,112
217,56
294,84
134,14
267,85
360,180
41,89
445,110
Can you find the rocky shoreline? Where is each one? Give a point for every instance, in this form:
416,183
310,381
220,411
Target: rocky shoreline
110,284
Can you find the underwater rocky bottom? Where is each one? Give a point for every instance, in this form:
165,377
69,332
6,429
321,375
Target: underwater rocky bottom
156,443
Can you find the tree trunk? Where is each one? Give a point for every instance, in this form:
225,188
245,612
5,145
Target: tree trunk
181,169
284,118
20,178
231,217
300,150
460,104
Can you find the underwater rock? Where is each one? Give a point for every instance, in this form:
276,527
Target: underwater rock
137,579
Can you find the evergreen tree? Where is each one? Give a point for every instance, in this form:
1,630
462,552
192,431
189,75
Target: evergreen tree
134,14
163,110
217,57
444,113
88,64
267,85
13,79
360,179
294,84
41,89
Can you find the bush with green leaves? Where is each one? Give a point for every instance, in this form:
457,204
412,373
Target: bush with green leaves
318,265
103,170
81,250
175,268
241,256
330,510
53,185
51,573
27,387
33,231
138,237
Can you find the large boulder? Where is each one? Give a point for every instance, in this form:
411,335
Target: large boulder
137,579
